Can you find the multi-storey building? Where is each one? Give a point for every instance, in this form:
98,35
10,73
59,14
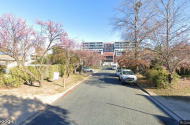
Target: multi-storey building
94,46
120,47
108,47
110,51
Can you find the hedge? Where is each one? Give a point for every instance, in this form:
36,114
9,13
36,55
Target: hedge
62,69
52,69
16,78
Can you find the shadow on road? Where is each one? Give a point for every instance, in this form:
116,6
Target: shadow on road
162,119
184,106
109,78
54,115
15,107
19,109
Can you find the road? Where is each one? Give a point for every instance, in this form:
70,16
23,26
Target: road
101,100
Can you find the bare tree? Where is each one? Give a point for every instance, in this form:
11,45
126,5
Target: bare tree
135,21
171,39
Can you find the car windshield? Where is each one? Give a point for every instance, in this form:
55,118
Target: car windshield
128,73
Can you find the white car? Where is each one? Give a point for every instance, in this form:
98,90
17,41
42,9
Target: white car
87,69
127,76
118,72
114,67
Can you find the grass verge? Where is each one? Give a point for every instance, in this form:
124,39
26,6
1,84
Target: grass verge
179,91
49,87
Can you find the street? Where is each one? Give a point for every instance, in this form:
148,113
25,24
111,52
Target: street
102,100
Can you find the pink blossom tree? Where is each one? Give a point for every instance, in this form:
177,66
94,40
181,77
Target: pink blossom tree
17,40
91,58
69,46
53,34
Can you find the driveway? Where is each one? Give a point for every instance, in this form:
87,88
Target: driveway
101,100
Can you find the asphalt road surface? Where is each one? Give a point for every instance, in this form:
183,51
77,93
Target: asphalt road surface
101,100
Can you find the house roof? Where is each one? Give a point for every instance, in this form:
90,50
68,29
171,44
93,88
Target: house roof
6,58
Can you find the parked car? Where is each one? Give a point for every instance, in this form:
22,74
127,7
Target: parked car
127,76
118,72
87,69
114,67
106,64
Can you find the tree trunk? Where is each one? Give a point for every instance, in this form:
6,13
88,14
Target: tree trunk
30,73
136,36
40,83
74,71
68,74
41,78
31,83
170,78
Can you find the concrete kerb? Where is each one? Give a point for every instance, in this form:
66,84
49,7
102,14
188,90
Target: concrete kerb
26,118
161,105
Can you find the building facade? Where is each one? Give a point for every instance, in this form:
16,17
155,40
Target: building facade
110,51
108,47
94,46
121,47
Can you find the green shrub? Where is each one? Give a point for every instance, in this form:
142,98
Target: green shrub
175,78
13,81
1,80
15,78
71,68
62,69
52,69
24,75
2,68
45,70
150,74
159,77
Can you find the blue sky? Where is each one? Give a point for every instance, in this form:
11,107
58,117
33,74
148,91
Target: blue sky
83,19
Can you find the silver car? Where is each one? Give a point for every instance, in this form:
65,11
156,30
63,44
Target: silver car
114,67
127,76
87,69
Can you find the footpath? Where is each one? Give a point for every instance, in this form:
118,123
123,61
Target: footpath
179,110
